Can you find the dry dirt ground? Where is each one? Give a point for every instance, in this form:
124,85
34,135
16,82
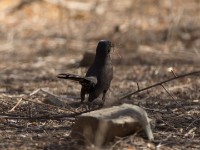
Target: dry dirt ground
41,38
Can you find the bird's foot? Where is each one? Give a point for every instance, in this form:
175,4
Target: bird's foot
85,106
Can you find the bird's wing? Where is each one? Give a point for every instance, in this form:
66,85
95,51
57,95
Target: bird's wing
91,80
85,81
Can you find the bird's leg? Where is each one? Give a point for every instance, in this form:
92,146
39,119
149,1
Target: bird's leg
104,96
93,96
83,98
82,95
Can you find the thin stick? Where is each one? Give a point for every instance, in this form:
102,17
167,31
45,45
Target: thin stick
44,117
115,50
47,117
138,86
160,83
173,73
44,91
16,105
168,92
48,105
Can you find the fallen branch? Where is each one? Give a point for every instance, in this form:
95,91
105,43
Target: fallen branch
159,84
46,117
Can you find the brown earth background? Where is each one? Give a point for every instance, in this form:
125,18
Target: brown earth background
41,38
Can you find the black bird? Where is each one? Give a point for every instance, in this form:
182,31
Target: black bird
99,75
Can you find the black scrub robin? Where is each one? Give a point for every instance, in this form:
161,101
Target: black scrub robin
99,75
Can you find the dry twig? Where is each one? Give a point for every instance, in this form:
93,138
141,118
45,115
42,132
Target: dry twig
47,117
16,105
160,84
168,92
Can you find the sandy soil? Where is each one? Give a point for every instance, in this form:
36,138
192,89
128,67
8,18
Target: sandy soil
40,39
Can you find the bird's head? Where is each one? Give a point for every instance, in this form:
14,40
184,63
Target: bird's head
103,48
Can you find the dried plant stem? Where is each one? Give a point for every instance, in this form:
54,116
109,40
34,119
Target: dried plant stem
46,117
160,84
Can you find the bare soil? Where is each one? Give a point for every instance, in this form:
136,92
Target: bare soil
40,39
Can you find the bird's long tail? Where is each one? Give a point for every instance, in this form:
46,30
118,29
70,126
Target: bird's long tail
85,81
70,77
